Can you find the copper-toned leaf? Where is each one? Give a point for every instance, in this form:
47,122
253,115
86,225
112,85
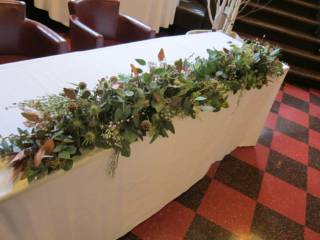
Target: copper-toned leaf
9,154
24,174
179,66
157,97
15,172
48,146
161,54
31,117
225,50
85,95
185,65
29,111
16,157
100,91
41,124
69,93
29,124
135,71
25,145
175,100
61,120
38,156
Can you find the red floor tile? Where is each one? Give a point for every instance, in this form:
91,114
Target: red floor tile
290,147
310,235
279,96
313,185
256,156
228,208
171,222
315,92
213,169
283,198
294,115
296,92
314,139
271,120
314,110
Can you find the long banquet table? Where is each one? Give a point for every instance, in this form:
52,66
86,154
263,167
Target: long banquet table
154,13
81,203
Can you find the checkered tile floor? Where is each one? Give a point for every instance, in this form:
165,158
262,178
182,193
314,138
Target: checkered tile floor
270,191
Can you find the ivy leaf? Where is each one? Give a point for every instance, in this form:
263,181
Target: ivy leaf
69,93
64,155
141,62
134,70
68,164
154,137
161,55
125,150
170,126
206,108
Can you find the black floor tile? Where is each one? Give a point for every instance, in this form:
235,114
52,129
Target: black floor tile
266,137
193,197
203,229
129,236
313,213
292,129
240,176
314,123
314,158
295,102
275,107
268,224
314,99
287,169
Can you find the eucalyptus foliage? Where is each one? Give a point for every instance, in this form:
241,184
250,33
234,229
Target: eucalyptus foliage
122,109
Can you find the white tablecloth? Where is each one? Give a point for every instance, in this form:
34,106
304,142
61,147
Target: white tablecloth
82,204
154,13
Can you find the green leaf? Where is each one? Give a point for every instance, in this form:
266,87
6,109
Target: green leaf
118,113
126,114
152,85
135,112
41,134
139,70
200,98
58,148
76,137
68,163
121,92
182,92
71,149
68,140
20,131
164,132
125,150
234,85
170,126
57,134
217,109
162,93
129,93
5,146
46,156
157,106
206,108
147,78
64,154
129,137
121,77
214,101
154,137
141,62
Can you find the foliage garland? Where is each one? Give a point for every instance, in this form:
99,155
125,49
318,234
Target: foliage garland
120,110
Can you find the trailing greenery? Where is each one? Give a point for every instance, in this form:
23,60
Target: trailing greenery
122,109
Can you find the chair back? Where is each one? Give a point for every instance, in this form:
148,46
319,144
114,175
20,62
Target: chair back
12,16
99,15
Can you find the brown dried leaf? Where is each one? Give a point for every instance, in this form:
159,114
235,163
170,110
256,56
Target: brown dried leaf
26,110
161,55
99,91
135,71
38,156
15,172
175,100
48,146
40,125
31,117
9,154
25,145
69,93
16,157
157,97
24,175
225,50
29,124
185,66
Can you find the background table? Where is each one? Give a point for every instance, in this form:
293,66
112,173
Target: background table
154,13
82,204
